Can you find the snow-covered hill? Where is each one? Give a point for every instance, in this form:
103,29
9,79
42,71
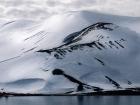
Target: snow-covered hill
73,52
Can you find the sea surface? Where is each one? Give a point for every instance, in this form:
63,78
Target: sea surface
71,100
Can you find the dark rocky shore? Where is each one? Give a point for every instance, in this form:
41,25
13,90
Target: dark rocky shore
128,91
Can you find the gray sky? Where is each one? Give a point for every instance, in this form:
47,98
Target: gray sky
40,9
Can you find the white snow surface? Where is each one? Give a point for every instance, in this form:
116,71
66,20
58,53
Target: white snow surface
24,70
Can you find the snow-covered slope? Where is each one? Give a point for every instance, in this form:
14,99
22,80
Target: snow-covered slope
92,50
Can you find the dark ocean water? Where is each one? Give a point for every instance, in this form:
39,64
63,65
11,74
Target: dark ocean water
71,100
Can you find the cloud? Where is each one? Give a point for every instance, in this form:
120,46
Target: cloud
39,9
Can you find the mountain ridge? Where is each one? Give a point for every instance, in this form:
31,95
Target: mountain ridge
96,49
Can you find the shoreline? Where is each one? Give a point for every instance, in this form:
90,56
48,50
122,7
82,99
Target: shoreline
127,92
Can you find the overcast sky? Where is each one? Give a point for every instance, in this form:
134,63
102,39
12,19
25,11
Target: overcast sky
39,9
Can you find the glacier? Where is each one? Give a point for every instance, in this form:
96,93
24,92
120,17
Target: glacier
98,50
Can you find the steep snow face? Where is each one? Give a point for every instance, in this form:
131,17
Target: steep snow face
93,51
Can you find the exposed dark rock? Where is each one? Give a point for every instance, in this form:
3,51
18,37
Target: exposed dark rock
30,50
79,63
76,36
57,56
129,82
57,72
100,44
102,63
81,85
111,43
97,46
113,82
119,44
127,91
70,45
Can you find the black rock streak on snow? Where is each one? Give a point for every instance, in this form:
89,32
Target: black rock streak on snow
49,51
108,44
113,82
100,37
37,34
101,62
97,46
111,43
42,38
61,52
81,85
30,50
122,40
119,44
8,23
57,56
100,44
6,60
